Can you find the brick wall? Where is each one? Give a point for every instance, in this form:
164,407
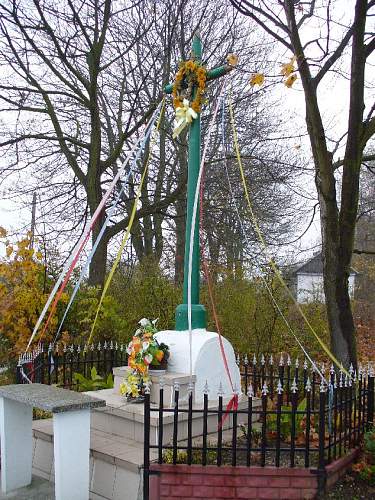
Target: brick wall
183,482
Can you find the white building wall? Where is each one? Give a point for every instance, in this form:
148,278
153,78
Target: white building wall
310,287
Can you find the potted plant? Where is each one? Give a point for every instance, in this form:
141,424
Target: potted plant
145,353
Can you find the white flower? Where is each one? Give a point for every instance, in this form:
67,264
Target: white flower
155,321
145,345
129,349
138,331
144,322
148,359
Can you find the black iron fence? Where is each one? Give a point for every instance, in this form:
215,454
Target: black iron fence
292,425
57,363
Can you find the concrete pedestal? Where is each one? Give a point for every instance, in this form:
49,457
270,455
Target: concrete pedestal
16,444
207,360
71,451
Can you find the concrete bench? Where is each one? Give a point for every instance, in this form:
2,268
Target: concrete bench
71,428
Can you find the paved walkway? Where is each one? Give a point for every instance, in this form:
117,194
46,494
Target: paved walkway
39,489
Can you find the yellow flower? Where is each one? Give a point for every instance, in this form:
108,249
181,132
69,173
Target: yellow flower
201,72
39,255
196,106
290,80
257,79
190,65
232,59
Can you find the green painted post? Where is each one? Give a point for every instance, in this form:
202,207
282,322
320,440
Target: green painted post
198,311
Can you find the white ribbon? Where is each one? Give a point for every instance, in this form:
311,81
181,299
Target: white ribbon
184,116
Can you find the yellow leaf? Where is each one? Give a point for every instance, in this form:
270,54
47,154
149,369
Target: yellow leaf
39,255
9,250
257,79
290,80
232,59
3,232
288,68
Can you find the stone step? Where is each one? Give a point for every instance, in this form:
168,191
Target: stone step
115,462
125,419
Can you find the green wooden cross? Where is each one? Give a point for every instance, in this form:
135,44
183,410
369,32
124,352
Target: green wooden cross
198,314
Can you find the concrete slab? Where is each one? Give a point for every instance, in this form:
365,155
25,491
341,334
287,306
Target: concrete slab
39,489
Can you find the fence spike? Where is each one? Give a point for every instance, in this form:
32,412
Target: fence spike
206,389
147,387
105,345
271,360
220,390
346,381
237,359
64,348
332,369
281,362
341,382
322,386
121,347
351,369
50,347
305,365
265,389
99,346
250,391
79,348
254,360
85,348
263,359
111,345
355,376
191,387
246,360
279,388
294,386
92,347
371,370
288,361
116,346
176,386
297,362
323,368
308,386
71,348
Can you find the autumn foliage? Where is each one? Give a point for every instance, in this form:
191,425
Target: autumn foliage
23,293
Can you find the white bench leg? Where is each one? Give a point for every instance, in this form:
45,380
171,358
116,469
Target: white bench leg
16,444
71,431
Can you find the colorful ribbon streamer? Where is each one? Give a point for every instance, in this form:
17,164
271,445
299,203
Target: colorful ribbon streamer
71,262
128,229
264,245
100,235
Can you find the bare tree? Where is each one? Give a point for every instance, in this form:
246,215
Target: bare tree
317,55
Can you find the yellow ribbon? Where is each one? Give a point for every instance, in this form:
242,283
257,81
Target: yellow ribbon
184,116
128,229
262,240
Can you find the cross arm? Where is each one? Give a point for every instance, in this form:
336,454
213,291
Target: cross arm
211,75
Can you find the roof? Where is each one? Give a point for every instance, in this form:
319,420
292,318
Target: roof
315,266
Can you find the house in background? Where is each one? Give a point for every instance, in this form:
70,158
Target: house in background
308,281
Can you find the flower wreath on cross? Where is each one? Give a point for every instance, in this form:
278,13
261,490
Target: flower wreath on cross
191,74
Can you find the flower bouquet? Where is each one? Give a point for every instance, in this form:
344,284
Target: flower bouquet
144,352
